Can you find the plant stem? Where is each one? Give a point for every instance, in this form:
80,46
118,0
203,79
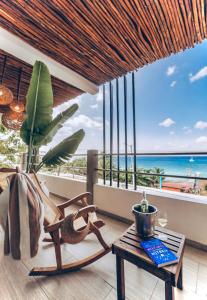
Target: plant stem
30,150
39,167
27,167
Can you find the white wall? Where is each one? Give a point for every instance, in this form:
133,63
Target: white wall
63,187
187,217
186,213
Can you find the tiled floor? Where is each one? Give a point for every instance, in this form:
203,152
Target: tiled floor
98,281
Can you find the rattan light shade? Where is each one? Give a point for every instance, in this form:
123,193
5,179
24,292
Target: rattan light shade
12,120
6,96
17,106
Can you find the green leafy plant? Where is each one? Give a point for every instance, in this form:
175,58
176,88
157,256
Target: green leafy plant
39,128
10,145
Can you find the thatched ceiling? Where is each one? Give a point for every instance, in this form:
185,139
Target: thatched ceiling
102,40
62,91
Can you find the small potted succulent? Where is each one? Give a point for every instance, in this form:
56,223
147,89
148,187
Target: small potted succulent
145,216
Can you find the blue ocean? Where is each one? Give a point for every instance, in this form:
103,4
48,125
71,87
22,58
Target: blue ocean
172,165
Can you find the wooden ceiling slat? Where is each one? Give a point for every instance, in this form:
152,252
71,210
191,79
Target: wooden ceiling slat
199,9
102,40
104,27
144,24
137,39
42,41
150,26
174,27
196,22
203,17
186,23
190,21
126,44
91,31
105,65
150,10
181,26
163,24
205,10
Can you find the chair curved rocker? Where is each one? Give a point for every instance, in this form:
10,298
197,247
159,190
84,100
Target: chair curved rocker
61,230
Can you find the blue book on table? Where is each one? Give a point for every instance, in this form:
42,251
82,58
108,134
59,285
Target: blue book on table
159,253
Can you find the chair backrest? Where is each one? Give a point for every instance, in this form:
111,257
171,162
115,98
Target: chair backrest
52,213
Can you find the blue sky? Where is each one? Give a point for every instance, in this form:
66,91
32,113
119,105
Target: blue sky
171,107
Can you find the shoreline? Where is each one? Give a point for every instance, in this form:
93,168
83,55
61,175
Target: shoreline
197,187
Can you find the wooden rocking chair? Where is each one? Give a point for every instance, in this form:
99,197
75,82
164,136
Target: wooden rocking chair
61,229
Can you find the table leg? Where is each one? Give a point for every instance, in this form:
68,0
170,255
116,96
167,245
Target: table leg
169,291
180,279
120,278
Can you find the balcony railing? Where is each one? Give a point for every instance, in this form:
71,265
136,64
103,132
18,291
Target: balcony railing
120,100
129,175
76,168
122,170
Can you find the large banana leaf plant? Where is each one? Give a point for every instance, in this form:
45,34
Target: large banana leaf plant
39,127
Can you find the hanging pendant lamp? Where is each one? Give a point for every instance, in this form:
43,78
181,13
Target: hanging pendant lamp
16,105
12,120
6,96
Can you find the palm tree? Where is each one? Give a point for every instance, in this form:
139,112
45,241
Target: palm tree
143,179
156,179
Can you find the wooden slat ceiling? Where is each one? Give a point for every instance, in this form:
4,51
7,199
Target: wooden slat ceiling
102,40
61,90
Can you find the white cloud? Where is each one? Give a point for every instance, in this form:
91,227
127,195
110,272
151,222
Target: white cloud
94,106
66,104
98,118
78,99
99,96
201,140
173,83
84,121
200,125
167,122
200,74
187,130
170,70
172,132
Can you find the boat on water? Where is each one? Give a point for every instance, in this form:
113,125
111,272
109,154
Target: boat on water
191,159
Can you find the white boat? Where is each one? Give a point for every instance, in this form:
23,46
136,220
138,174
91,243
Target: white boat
191,159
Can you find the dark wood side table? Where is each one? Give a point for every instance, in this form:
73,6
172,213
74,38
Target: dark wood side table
128,248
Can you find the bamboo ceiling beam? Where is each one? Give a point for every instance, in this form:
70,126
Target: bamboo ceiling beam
101,40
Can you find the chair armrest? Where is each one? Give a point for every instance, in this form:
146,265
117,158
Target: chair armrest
54,226
82,197
83,212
